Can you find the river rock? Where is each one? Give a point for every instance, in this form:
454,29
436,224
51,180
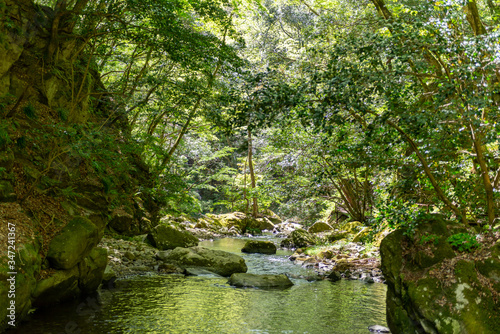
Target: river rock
258,246
319,227
335,236
420,300
196,271
216,261
60,286
361,234
165,237
334,276
109,276
298,239
260,281
74,242
353,227
263,224
92,270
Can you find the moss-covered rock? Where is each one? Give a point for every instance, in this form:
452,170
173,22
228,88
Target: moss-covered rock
73,243
258,246
298,239
165,237
361,234
353,227
243,280
92,270
335,236
419,300
62,285
216,261
122,221
28,263
319,226
263,224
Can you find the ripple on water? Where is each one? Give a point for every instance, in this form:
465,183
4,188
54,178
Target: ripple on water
180,305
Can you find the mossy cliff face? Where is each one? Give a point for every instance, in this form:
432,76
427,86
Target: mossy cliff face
432,289
68,169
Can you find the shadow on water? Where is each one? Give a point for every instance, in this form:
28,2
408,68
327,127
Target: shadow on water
178,304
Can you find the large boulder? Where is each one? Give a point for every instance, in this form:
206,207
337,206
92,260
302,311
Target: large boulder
122,220
216,261
319,227
73,243
431,290
263,224
238,219
260,281
165,237
333,236
365,231
60,286
258,246
92,270
298,239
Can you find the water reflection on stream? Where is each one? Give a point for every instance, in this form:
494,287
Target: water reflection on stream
204,304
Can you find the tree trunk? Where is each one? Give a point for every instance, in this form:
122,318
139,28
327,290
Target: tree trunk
255,207
167,158
488,187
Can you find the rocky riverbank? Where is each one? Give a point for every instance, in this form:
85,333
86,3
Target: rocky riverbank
332,254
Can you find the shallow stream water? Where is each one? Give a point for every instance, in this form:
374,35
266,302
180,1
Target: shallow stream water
207,304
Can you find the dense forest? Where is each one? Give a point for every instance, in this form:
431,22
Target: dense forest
122,114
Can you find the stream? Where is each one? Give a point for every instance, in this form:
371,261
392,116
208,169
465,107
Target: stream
207,304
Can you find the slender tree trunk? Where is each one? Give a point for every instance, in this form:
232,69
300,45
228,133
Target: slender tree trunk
245,187
488,187
255,206
184,129
439,192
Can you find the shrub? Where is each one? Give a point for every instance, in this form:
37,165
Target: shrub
463,242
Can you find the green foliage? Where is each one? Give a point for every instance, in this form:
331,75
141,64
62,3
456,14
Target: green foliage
400,215
63,114
464,242
21,142
69,192
429,238
30,111
4,135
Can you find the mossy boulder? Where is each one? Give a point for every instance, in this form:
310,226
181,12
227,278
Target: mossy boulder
243,280
319,227
73,243
28,264
263,224
258,246
108,277
272,216
365,231
335,236
92,270
165,237
420,300
61,286
353,227
216,261
298,239
238,219
122,221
